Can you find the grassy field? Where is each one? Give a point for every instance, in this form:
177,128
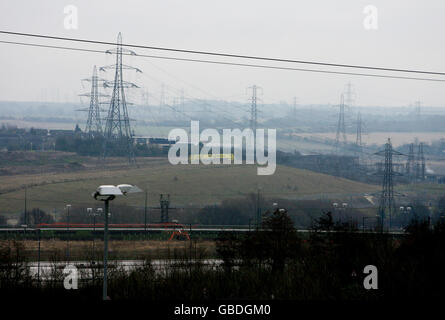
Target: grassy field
56,250
188,185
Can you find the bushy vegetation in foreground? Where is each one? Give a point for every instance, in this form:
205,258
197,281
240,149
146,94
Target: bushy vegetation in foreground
271,263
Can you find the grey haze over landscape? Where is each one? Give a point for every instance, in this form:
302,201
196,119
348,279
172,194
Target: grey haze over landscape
409,36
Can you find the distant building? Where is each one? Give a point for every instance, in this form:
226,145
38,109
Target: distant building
38,132
160,142
60,132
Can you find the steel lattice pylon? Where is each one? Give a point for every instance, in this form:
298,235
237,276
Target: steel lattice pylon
341,129
387,203
253,123
117,131
410,165
420,165
358,137
94,124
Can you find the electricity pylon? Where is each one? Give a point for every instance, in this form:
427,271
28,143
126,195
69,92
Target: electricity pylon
420,165
341,129
93,127
358,138
387,205
410,164
117,127
145,98
253,124
349,95
349,102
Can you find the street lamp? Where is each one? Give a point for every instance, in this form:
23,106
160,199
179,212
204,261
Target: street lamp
107,193
340,208
406,211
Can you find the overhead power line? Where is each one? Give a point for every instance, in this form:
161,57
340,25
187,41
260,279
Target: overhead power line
230,63
226,55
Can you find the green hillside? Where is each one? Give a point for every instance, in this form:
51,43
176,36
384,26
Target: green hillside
188,185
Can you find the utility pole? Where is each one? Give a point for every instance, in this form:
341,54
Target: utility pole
164,204
387,203
117,127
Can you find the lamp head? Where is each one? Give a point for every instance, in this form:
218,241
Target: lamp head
109,192
128,188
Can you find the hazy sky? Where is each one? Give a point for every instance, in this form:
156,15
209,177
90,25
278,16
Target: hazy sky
409,35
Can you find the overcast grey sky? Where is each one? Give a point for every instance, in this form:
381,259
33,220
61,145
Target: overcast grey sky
409,35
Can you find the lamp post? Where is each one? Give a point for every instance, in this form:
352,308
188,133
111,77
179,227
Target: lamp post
406,211
108,193
106,215
38,261
68,206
